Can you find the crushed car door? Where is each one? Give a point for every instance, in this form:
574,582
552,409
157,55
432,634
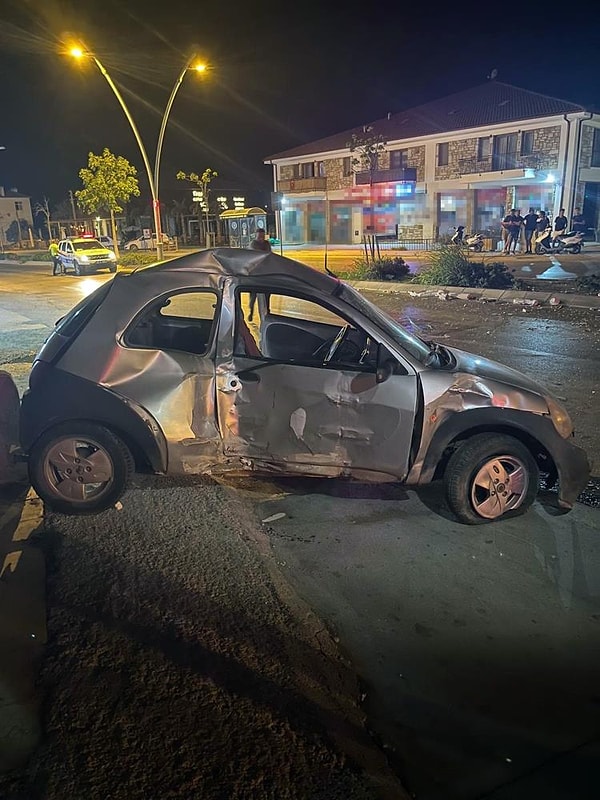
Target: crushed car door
302,387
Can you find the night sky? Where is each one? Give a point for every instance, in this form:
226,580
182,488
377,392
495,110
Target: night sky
282,73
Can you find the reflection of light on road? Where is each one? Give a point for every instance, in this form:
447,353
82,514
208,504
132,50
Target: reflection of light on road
556,272
88,285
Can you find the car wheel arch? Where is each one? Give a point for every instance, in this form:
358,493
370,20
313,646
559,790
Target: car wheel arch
68,398
464,425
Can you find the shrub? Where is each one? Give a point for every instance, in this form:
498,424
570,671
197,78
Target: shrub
133,258
589,284
451,266
390,268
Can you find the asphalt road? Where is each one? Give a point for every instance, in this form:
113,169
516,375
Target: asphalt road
478,647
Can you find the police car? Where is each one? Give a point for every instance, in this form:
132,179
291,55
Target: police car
84,255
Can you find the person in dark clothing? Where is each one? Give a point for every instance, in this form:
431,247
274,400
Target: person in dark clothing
543,222
530,223
578,221
512,224
560,224
260,243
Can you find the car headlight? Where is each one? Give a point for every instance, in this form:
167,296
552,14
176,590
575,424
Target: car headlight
84,258
112,256
560,418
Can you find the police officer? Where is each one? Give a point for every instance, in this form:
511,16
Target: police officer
56,265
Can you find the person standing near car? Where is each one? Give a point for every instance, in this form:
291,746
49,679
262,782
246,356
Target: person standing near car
560,224
578,221
259,243
56,265
530,224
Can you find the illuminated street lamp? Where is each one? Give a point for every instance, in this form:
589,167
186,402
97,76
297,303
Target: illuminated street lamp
153,177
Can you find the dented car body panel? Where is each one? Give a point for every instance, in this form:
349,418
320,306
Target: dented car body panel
238,360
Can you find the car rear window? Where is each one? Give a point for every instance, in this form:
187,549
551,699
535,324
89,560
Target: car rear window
73,322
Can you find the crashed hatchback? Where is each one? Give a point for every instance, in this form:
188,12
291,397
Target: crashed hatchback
238,361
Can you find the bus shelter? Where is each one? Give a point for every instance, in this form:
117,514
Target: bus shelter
242,224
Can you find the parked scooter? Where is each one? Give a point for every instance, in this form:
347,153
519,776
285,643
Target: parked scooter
474,241
571,242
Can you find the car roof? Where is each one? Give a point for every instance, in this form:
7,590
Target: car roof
237,262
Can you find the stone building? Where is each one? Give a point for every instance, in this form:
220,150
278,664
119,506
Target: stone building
461,160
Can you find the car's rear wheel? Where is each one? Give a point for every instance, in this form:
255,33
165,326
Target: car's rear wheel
80,468
133,247
491,476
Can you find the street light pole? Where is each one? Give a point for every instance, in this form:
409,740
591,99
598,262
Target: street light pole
163,124
138,138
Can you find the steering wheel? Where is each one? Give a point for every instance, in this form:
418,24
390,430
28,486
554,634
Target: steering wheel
327,349
337,343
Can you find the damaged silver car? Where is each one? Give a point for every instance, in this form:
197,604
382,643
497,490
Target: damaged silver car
237,361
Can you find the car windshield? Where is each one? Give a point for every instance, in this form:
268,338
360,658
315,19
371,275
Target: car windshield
418,348
88,244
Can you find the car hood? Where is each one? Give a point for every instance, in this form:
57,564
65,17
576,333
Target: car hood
473,364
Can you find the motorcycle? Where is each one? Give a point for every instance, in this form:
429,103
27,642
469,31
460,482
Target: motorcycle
474,241
571,242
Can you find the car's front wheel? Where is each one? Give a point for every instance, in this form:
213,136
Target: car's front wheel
80,468
491,476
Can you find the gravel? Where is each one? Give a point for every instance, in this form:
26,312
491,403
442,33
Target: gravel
175,669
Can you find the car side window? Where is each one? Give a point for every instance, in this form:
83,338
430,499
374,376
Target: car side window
290,329
179,321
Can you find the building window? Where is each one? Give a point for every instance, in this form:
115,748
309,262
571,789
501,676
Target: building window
307,170
527,143
398,159
484,149
442,154
321,169
18,205
347,167
595,162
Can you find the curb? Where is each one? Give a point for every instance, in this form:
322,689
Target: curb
518,297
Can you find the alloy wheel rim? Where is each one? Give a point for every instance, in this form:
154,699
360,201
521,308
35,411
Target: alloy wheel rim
499,486
78,469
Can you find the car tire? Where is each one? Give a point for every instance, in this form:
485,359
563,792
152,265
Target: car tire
113,268
77,268
490,476
133,247
64,456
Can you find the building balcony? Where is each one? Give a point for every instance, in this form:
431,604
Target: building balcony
302,185
500,162
386,176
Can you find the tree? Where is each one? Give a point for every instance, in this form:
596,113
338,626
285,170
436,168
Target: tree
365,150
180,209
44,208
108,183
203,183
